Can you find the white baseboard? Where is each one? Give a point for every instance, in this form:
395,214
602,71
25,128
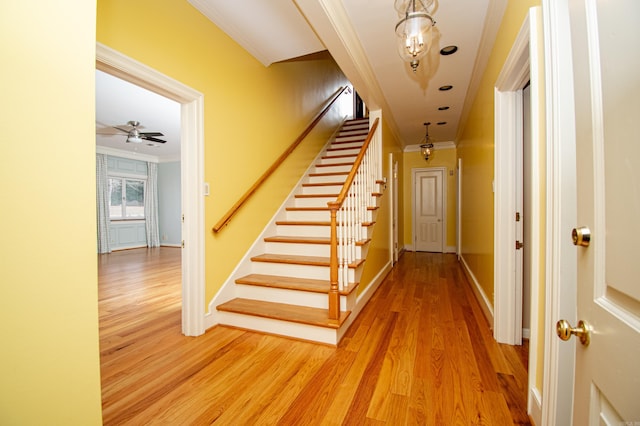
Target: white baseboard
446,249
526,333
483,300
364,297
171,245
535,406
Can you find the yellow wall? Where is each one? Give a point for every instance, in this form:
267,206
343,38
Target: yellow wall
49,361
440,158
252,113
476,148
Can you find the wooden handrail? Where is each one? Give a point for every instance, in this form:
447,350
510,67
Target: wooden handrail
352,174
233,210
334,206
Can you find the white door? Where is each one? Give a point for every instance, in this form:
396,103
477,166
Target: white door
428,210
605,39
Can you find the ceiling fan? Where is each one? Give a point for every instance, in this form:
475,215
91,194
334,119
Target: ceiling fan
136,136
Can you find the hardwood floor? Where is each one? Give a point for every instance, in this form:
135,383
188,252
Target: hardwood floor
421,352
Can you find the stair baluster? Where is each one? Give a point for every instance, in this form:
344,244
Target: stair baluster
348,213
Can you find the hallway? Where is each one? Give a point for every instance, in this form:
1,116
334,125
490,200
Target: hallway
421,352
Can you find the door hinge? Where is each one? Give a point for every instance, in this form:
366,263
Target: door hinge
182,243
519,245
517,216
182,218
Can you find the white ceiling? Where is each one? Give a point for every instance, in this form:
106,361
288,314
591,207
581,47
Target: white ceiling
360,36
118,102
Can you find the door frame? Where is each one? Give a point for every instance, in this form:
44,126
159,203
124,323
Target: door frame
393,186
192,173
561,260
523,64
414,172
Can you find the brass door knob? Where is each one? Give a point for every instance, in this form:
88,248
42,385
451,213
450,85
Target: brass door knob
581,236
565,331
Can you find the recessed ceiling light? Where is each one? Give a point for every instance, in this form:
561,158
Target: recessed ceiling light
445,88
443,108
448,50
441,123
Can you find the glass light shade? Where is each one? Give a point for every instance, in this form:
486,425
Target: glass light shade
425,150
134,136
405,6
414,30
414,36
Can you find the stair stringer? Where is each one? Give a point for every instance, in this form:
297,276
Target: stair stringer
228,290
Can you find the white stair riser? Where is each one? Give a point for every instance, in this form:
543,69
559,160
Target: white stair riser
342,152
293,297
351,142
321,216
307,231
352,132
324,189
327,179
310,215
324,335
296,271
337,160
281,295
323,250
313,202
333,169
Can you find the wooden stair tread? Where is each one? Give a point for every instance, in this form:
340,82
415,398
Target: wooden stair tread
291,283
306,240
299,260
303,222
330,174
284,312
313,209
329,157
316,195
323,184
312,223
350,163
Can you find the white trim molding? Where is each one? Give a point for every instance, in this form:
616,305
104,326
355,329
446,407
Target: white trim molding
192,157
481,296
507,327
561,202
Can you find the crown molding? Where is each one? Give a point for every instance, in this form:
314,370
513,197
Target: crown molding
126,154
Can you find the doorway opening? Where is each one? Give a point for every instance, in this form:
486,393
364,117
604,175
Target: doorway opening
191,173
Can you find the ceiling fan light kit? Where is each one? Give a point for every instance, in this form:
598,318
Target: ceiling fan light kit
414,30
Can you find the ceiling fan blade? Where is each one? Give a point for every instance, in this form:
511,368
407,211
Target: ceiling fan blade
151,139
151,134
121,129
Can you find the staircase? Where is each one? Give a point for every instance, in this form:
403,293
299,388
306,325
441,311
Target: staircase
286,289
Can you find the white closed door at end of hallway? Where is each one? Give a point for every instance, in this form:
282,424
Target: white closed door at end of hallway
428,212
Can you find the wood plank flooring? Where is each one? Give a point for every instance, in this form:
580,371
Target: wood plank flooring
420,353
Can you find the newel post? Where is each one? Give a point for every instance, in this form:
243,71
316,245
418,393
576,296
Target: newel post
334,295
